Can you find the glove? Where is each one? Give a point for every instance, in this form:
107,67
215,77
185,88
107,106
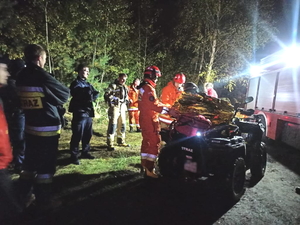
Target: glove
165,110
114,100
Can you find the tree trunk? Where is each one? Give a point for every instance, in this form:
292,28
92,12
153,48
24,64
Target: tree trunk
214,43
95,51
212,56
145,52
47,38
140,44
199,66
105,52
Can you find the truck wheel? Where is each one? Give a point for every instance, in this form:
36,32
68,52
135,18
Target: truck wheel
236,180
170,162
258,162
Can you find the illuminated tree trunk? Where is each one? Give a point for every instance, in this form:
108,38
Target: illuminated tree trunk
47,38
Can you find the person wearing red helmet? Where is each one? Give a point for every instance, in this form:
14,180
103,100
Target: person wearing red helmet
173,90
170,94
150,107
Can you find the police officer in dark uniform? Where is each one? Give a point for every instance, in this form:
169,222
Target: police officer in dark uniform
81,105
40,94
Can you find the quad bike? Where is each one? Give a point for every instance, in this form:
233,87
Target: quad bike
223,152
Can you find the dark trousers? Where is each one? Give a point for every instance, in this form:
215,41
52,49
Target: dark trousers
9,206
16,126
81,131
39,167
41,154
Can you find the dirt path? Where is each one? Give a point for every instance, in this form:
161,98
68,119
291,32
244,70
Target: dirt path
273,200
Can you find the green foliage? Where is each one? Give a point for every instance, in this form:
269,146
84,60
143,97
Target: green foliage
223,35
6,11
207,40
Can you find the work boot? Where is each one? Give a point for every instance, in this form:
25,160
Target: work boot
150,174
74,160
87,156
131,130
29,200
110,148
25,188
124,145
138,130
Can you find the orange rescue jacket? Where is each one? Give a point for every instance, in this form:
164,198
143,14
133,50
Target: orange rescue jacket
133,95
170,94
148,103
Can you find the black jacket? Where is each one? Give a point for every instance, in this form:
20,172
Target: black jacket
83,94
40,94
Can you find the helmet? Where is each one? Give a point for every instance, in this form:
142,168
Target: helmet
152,72
179,78
190,87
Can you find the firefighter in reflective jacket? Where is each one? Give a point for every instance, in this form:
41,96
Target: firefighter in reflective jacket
40,94
150,107
133,111
116,96
169,96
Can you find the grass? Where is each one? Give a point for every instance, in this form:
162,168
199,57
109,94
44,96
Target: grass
110,169
123,158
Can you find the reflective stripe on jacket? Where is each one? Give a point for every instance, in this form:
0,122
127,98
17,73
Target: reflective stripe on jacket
40,94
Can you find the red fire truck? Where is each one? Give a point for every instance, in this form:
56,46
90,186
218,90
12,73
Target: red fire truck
276,93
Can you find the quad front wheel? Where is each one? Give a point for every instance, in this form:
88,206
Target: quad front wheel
236,180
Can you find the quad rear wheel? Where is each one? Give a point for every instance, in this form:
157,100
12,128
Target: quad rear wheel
258,162
170,162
